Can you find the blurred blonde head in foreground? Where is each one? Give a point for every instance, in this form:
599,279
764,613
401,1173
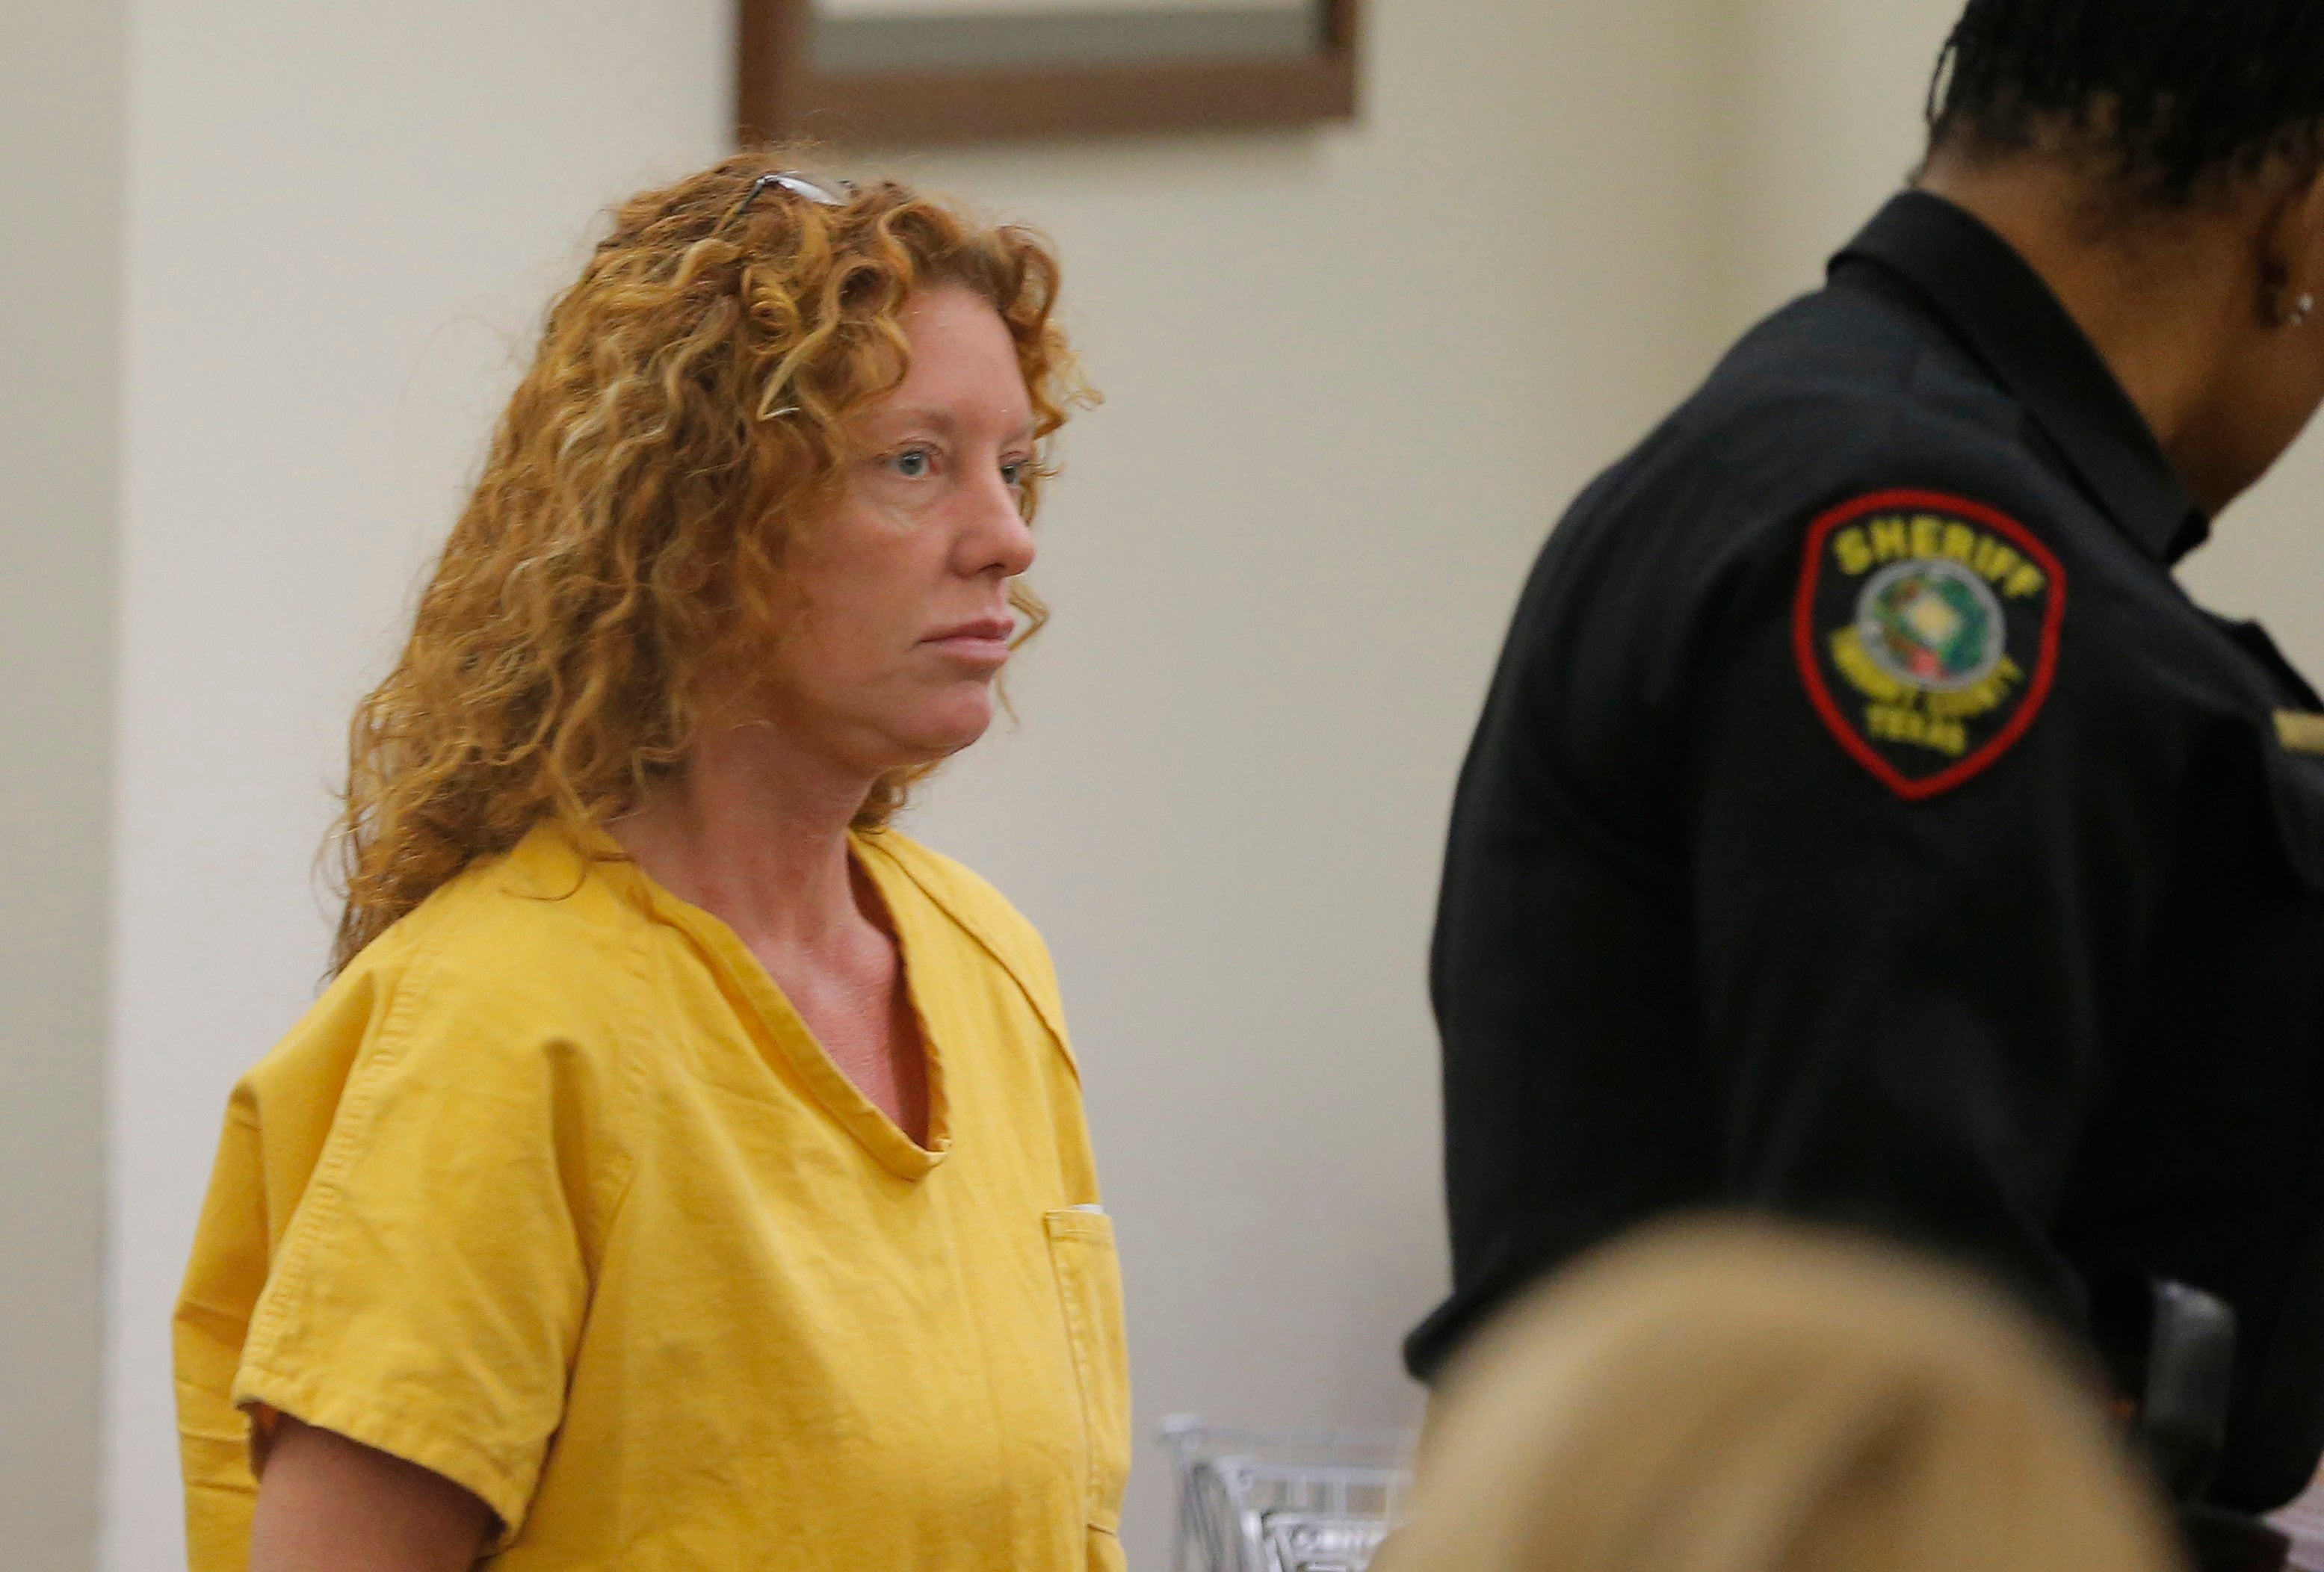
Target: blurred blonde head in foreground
1740,1397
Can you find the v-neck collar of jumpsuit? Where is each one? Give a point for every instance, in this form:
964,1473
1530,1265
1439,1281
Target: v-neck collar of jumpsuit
787,1034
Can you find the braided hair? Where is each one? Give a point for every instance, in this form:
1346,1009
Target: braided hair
2174,94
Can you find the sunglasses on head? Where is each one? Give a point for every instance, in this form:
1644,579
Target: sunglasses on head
798,185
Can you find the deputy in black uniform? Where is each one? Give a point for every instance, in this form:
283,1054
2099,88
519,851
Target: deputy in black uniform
1864,825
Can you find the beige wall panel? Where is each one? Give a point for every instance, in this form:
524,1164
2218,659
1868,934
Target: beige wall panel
1821,103
61,105
2266,559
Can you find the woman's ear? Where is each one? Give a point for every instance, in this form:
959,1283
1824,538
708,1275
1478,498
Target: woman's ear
2291,252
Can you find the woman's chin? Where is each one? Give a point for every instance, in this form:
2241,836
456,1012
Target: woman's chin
934,736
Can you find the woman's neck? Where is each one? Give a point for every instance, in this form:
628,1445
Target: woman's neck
754,832
2167,301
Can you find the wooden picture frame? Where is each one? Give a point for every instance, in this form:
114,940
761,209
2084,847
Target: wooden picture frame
782,93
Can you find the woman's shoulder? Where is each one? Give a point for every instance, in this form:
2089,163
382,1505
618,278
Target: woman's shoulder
952,882
546,913
982,911
964,894
531,951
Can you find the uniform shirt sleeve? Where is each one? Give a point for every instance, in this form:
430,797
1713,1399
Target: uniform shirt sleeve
428,1293
1905,998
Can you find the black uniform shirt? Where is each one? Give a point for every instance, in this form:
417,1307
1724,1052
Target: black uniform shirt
1865,826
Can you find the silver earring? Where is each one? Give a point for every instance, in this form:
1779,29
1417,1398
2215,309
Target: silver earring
2302,310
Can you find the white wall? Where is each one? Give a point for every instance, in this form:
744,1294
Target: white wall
2266,560
1354,375
61,103
1819,111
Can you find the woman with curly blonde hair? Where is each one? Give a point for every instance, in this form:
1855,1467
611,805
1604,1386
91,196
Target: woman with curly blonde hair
685,1169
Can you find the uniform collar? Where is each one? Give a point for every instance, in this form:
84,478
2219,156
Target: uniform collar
1999,309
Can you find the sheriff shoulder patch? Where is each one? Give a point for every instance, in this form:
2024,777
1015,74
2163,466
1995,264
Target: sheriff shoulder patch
1927,634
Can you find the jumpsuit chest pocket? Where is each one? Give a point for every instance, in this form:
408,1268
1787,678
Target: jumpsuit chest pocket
2295,782
1089,1295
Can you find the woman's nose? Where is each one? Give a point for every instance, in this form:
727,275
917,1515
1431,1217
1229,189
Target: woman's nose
1000,537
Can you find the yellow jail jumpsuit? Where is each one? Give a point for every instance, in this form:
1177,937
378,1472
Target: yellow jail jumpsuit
553,1193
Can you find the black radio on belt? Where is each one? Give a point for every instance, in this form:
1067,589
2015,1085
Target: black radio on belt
2188,1385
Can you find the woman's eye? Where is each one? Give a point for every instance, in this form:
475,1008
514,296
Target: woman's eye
1012,472
913,463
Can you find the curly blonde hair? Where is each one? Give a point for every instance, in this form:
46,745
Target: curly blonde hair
687,410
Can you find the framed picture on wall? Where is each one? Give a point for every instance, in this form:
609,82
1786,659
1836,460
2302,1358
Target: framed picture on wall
890,72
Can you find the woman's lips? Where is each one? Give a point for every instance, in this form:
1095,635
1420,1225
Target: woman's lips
985,641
